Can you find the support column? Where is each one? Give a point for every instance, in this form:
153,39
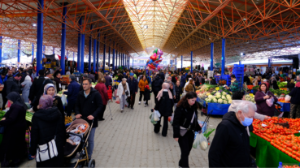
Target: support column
39,46
98,50
32,52
104,50
175,63
223,56
1,49
109,56
79,46
116,67
73,56
90,50
181,62
94,54
212,56
53,50
63,41
113,59
44,48
269,62
82,52
19,51
191,61
120,59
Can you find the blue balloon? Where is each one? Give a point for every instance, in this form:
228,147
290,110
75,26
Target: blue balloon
150,61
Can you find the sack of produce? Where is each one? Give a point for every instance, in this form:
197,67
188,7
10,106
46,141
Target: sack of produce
287,98
156,115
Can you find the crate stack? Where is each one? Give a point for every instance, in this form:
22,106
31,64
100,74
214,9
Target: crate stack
227,78
238,71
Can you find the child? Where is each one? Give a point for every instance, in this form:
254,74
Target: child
147,94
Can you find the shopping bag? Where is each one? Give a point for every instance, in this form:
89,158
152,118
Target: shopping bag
170,119
200,140
270,101
152,119
118,100
64,100
156,115
287,98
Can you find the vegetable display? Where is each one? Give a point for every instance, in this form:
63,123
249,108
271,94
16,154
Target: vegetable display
279,92
29,116
220,97
250,97
280,133
2,113
68,119
282,84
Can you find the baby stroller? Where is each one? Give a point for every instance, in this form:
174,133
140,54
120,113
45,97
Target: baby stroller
75,151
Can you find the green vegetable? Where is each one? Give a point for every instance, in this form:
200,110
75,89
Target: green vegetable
2,113
207,133
29,116
279,92
255,87
282,84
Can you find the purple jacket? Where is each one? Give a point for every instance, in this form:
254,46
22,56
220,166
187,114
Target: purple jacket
262,107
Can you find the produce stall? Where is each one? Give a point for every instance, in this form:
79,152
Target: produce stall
215,99
1,116
276,140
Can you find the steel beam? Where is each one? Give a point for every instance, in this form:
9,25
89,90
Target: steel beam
63,41
82,52
90,51
104,51
113,59
79,45
32,52
223,56
94,56
212,56
39,47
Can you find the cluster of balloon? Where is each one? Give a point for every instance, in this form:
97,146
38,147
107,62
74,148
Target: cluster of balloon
155,59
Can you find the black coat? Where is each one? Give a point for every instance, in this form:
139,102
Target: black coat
291,86
295,96
183,118
13,144
165,105
147,94
157,84
58,103
178,92
10,85
274,84
230,146
90,105
47,123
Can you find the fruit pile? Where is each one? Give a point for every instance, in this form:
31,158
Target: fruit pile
293,166
280,133
68,119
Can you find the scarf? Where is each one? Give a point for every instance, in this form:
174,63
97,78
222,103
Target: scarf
124,88
46,101
165,86
16,99
47,87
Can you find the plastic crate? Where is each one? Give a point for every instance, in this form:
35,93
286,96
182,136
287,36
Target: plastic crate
217,78
238,65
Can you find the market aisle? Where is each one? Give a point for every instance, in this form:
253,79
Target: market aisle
129,141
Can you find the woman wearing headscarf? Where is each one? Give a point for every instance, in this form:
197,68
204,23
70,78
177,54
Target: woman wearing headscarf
188,82
190,87
13,146
295,102
123,92
26,88
49,89
48,123
165,107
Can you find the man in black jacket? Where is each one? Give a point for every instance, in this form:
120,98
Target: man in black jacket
156,86
88,106
133,88
10,85
230,146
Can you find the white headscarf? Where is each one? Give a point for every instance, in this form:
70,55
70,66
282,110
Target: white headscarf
27,78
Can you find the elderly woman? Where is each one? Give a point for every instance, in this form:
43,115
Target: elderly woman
101,88
48,123
165,107
123,92
190,87
13,146
26,88
49,89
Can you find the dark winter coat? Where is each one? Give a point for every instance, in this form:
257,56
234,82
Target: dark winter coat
274,84
165,105
295,96
178,91
57,82
182,81
47,123
291,86
133,85
108,81
162,75
73,90
13,145
230,146
157,84
183,118
90,105
58,103
10,85
147,94
261,104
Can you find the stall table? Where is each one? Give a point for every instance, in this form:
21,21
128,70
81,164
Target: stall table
217,109
285,107
267,155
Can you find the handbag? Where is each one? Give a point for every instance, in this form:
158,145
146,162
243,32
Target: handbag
48,150
184,130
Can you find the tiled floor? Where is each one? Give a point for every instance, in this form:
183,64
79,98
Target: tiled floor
129,141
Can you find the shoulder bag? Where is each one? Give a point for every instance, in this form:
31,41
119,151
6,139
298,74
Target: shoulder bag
184,130
48,150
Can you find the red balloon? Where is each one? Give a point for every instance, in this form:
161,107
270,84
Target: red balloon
158,61
153,57
151,66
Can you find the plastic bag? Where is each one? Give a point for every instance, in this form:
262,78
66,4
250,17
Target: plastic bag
156,115
287,98
171,118
270,101
200,140
118,100
203,126
64,100
152,119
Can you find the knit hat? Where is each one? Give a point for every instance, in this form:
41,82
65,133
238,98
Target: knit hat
131,74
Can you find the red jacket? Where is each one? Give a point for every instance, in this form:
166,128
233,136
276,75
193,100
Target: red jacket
103,92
